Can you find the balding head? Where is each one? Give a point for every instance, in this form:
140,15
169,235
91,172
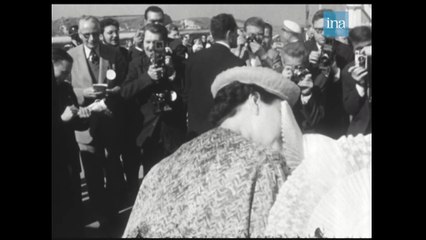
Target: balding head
89,31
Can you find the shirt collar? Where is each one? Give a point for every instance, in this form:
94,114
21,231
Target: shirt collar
224,44
318,46
88,50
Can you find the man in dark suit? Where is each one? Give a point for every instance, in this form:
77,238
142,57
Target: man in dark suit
202,69
67,207
309,108
327,76
356,81
110,36
157,131
130,153
98,63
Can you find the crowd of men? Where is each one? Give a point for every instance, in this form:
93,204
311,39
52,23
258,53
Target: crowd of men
134,106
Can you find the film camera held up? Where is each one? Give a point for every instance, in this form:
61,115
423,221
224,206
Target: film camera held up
250,39
327,54
163,95
299,74
360,59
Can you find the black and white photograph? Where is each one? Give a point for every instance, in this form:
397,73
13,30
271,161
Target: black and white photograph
211,121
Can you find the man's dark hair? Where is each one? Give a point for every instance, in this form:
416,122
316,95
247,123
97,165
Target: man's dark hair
320,14
360,34
157,29
295,50
172,27
220,24
268,26
59,54
153,9
230,97
254,21
108,22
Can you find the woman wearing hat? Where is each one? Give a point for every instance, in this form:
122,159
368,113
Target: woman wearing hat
224,182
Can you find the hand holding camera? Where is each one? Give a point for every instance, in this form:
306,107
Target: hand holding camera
358,73
306,84
155,73
287,72
255,46
314,57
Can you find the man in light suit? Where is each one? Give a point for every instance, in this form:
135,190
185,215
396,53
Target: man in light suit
92,60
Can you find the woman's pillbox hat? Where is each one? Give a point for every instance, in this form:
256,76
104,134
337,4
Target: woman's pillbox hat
265,78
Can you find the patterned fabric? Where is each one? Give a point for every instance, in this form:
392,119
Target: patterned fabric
217,185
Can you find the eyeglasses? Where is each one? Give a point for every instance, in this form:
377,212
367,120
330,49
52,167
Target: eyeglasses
319,30
87,35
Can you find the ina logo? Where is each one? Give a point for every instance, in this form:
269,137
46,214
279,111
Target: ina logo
336,24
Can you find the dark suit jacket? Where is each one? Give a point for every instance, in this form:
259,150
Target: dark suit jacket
336,120
81,78
310,116
133,53
137,90
201,70
355,105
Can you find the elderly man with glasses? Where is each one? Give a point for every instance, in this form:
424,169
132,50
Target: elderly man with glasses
96,76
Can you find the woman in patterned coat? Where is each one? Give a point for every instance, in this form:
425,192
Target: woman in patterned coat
224,182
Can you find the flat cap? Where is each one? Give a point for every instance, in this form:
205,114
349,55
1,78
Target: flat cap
265,78
291,26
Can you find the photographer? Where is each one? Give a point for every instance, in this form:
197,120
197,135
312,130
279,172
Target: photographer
326,59
356,81
250,48
75,39
159,125
309,109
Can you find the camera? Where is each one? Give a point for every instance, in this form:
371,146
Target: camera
299,74
163,100
163,96
252,38
360,59
159,56
327,55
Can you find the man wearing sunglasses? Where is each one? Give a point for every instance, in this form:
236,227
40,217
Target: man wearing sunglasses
96,63
326,59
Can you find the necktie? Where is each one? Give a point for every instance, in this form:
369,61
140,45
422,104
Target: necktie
93,57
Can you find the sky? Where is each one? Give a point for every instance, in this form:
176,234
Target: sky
272,13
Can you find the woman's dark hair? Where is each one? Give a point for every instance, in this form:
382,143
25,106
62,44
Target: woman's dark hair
230,97
109,22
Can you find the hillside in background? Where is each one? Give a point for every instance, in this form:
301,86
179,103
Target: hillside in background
131,23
